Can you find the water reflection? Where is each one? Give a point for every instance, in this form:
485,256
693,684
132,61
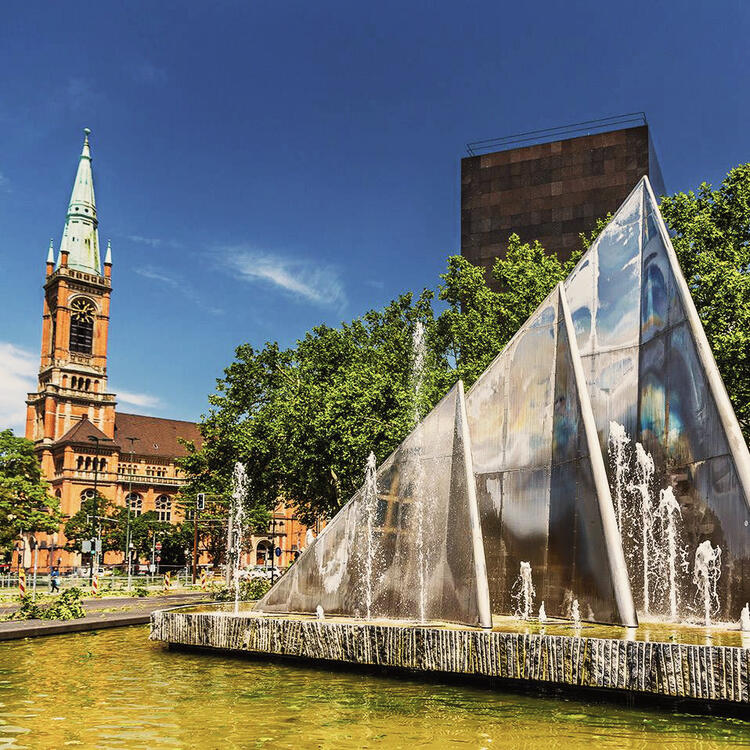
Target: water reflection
114,689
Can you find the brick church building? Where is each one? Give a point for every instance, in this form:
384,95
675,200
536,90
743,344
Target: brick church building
84,444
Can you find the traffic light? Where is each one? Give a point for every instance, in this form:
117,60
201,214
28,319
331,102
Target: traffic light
200,501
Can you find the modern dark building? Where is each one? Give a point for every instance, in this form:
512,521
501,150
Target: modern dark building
551,185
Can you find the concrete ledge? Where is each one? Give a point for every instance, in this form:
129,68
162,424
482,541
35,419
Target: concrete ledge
32,628
138,614
677,672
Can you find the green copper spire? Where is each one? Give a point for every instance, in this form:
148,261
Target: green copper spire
81,236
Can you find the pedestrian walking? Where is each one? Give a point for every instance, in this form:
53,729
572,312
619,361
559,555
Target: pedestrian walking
54,581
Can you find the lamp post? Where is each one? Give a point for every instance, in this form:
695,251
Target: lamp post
128,543
95,553
273,546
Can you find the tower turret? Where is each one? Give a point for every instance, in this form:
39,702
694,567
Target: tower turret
73,370
81,234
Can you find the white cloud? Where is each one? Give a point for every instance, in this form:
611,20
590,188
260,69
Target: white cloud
147,72
18,368
143,400
153,241
178,283
303,279
4,183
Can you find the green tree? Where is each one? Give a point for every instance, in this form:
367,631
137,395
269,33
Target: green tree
95,514
711,236
479,322
25,503
304,419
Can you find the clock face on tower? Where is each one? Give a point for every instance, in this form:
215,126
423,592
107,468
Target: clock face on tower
83,310
82,325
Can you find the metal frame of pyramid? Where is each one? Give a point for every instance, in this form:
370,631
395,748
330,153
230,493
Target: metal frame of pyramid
518,470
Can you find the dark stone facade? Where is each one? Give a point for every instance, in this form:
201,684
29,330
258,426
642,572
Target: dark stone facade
550,191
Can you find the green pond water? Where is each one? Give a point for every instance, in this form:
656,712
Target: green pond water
116,689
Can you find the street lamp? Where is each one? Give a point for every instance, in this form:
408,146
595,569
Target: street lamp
273,546
95,553
128,543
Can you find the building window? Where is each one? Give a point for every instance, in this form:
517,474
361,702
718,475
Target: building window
135,502
164,507
88,494
82,325
263,552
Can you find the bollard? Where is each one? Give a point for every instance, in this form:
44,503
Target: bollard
204,580
21,582
95,585
167,581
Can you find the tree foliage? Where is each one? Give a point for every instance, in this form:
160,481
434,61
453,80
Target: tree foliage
712,240
25,502
101,516
304,419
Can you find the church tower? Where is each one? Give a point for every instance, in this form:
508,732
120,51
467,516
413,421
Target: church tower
72,391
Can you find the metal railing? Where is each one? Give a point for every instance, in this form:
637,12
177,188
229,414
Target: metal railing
561,132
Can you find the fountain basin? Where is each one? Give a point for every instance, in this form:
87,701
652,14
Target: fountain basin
707,676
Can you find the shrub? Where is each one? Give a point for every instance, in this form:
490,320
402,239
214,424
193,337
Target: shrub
250,589
140,589
66,606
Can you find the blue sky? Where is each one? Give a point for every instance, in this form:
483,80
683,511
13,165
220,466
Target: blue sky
263,167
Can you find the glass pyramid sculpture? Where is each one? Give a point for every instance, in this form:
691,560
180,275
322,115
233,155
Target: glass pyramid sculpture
408,545
598,453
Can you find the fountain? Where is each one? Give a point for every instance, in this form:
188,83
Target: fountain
644,474
651,529
618,442
706,573
745,619
524,592
236,530
419,502
575,614
371,507
668,513
516,470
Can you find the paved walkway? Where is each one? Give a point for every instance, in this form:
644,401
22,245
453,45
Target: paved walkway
100,613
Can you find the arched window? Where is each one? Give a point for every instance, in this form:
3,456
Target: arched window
79,463
82,325
135,502
164,507
88,463
87,495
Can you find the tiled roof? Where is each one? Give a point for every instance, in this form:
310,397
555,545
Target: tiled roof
156,436
80,432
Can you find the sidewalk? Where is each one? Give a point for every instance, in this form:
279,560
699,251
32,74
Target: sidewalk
101,613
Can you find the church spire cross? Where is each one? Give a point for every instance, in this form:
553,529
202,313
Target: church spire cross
81,235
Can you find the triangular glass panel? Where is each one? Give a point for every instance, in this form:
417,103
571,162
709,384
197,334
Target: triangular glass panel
653,381
539,507
408,546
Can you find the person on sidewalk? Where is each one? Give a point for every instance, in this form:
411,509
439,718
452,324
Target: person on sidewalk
54,581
